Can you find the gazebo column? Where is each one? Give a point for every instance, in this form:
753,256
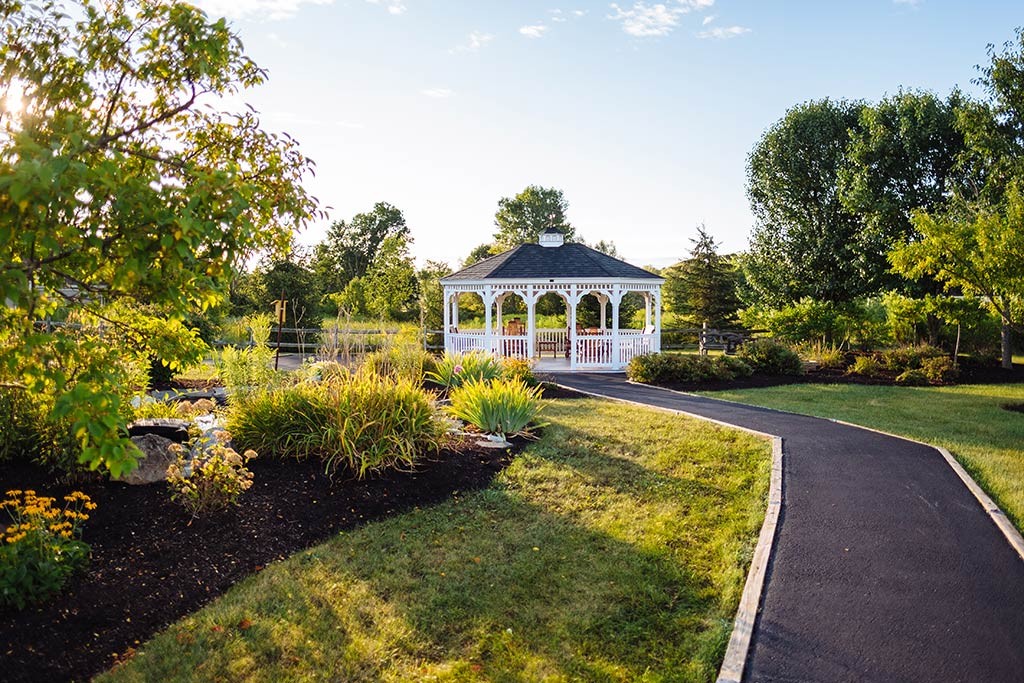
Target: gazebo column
616,340
488,298
531,321
571,300
447,319
656,341
455,309
647,311
603,298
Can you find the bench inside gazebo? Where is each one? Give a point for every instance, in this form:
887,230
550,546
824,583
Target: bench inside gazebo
571,271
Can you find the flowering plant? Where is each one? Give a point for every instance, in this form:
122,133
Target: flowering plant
210,480
40,549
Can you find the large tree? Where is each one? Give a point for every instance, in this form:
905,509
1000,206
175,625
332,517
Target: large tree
351,246
804,240
994,128
703,287
901,158
522,218
391,286
122,179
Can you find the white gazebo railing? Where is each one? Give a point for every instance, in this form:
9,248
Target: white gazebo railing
608,350
464,342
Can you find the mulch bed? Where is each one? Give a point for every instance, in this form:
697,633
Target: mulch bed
969,374
150,566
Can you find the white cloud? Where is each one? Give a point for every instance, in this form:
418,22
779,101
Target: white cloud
560,16
534,31
724,32
475,41
436,93
912,3
644,21
707,20
277,40
392,6
271,10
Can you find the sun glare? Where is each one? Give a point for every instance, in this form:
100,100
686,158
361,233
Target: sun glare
13,101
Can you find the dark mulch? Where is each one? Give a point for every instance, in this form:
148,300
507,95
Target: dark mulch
1013,407
178,384
150,566
969,374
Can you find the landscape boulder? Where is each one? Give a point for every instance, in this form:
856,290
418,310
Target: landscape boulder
156,456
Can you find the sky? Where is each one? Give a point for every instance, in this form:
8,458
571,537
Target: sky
642,113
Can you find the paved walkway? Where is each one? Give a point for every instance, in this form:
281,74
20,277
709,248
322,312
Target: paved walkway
885,567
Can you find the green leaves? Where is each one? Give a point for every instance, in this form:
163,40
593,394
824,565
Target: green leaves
521,219
121,180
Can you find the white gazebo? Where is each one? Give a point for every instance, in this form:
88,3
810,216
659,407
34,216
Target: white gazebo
571,271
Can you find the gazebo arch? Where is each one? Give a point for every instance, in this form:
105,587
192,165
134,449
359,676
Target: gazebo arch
572,271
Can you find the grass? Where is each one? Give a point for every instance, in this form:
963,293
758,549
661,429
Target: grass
967,420
615,548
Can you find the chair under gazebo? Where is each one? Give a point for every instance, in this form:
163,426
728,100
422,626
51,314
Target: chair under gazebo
571,271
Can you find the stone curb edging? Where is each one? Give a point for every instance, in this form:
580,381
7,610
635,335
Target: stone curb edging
746,614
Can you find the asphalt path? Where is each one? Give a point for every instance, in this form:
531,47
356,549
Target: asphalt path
885,567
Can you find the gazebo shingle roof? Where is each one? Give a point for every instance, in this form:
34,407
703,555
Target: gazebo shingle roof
533,261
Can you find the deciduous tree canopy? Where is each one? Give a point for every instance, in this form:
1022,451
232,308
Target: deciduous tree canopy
521,219
804,242
122,179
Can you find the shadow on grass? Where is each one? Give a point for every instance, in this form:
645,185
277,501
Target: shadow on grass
570,568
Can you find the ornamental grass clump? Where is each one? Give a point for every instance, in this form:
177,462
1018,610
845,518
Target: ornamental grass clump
210,480
454,370
363,423
41,547
501,406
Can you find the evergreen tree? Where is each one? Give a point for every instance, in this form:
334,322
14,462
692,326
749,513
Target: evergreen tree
703,287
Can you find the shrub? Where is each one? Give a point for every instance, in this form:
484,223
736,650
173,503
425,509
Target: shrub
651,368
455,369
940,370
502,406
915,377
210,480
769,357
363,422
41,547
866,366
909,357
520,369
738,367
665,368
245,370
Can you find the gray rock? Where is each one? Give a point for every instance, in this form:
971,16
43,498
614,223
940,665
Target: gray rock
153,465
170,428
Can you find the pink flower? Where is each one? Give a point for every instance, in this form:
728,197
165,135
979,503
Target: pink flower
457,370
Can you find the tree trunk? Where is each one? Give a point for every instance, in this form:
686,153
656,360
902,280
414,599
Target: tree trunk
934,326
1004,339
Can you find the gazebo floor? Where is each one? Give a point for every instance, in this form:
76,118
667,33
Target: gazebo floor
556,365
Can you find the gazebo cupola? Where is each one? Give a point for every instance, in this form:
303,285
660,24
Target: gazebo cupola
571,271
552,237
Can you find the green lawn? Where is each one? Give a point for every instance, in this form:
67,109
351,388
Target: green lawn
967,420
615,548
